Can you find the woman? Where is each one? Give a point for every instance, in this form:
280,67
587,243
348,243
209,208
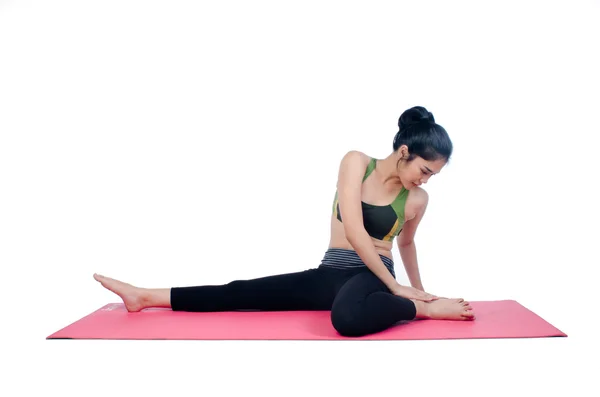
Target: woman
376,202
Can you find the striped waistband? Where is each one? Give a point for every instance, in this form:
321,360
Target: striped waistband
341,258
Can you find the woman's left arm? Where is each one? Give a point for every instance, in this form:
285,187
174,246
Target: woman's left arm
406,241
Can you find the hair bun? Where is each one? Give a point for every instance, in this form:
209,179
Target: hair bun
413,116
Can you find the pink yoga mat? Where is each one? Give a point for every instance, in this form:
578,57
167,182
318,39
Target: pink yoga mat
494,319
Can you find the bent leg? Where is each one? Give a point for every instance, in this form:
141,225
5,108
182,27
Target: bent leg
364,305
305,290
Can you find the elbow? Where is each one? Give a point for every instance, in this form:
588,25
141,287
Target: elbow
354,235
405,243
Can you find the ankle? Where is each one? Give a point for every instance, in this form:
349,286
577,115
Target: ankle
154,297
423,309
144,297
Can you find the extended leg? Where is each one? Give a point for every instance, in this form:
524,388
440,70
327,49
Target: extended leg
306,290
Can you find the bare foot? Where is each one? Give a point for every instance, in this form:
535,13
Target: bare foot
132,296
450,309
445,309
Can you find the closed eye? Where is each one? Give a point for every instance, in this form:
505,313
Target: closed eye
427,168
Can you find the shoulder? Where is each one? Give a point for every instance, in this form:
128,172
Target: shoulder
415,202
356,157
352,169
354,162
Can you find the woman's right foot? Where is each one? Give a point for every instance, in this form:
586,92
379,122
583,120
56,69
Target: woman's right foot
445,309
133,297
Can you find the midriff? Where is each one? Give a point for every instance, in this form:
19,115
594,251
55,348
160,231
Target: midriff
338,240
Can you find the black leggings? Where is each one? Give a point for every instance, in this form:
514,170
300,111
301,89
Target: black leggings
359,301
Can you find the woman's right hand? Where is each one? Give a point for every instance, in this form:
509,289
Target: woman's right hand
413,293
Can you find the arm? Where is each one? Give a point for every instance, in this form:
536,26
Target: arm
409,258
352,170
406,241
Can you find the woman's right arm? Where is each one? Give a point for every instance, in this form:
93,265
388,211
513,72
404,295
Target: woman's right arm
351,172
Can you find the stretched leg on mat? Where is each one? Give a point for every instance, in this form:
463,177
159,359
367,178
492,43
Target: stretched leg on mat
306,290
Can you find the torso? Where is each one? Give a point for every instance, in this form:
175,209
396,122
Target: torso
374,192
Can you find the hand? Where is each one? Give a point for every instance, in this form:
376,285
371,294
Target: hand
420,288
413,293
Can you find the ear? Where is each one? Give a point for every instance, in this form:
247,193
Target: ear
403,152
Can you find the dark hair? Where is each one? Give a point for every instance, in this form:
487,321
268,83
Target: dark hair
423,136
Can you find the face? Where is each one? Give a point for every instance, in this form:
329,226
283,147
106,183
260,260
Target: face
417,171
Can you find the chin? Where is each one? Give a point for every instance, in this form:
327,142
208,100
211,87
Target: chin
408,185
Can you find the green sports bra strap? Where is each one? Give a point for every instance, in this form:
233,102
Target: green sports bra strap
400,202
370,168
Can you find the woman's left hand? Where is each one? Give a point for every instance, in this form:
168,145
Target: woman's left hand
420,287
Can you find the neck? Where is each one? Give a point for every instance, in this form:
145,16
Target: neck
386,169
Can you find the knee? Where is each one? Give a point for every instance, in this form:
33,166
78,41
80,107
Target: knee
347,321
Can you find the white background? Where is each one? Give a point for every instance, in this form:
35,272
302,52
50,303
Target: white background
182,143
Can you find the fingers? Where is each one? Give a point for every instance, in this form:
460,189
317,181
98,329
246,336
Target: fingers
426,297
430,296
420,295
